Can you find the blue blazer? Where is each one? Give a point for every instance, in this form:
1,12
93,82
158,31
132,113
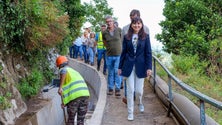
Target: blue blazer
142,59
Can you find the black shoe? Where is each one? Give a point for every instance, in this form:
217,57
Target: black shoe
117,93
104,73
97,68
121,87
110,92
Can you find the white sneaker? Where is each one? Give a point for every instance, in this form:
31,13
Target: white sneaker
130,117
141,108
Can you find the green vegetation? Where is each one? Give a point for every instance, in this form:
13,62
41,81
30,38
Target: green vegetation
5,96
39,61
76,14
192,32
185,64
193,27
189,70
4,101
33,27
30,85
96,10
1,68
193,75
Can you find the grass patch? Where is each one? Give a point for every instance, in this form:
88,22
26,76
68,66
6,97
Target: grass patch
191,71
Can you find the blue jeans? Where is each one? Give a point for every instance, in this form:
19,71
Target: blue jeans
91,55
101,54
81,52
85,53
77,50
71,51
112,63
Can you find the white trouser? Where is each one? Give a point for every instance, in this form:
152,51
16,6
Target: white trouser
134,83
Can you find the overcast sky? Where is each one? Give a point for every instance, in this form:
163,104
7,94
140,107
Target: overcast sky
150,11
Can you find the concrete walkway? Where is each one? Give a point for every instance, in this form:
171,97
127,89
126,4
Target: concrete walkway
154,114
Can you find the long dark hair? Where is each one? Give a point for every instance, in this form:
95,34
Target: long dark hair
142,35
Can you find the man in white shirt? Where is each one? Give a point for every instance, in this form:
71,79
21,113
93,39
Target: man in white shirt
77,46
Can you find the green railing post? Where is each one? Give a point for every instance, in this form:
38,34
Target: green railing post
203,98
154,71
202,113
169,95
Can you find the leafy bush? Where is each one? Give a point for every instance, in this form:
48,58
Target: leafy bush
13,24
184,64
193,27
29,25
4,96
215,55
47,73
49,26
40,59
31,85
4,102
63,47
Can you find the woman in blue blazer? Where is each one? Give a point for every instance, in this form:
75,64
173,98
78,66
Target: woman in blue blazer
135,63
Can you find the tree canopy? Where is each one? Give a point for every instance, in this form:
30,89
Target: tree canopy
40,24
96,10
193,27
29,29
32,25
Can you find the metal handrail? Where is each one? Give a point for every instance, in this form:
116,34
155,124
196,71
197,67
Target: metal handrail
202,97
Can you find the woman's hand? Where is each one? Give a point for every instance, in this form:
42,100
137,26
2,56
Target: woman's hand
119,71
149,72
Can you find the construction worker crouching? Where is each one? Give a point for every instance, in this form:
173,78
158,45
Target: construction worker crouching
73,90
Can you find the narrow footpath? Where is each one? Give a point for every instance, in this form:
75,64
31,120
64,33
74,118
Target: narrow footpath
154,114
